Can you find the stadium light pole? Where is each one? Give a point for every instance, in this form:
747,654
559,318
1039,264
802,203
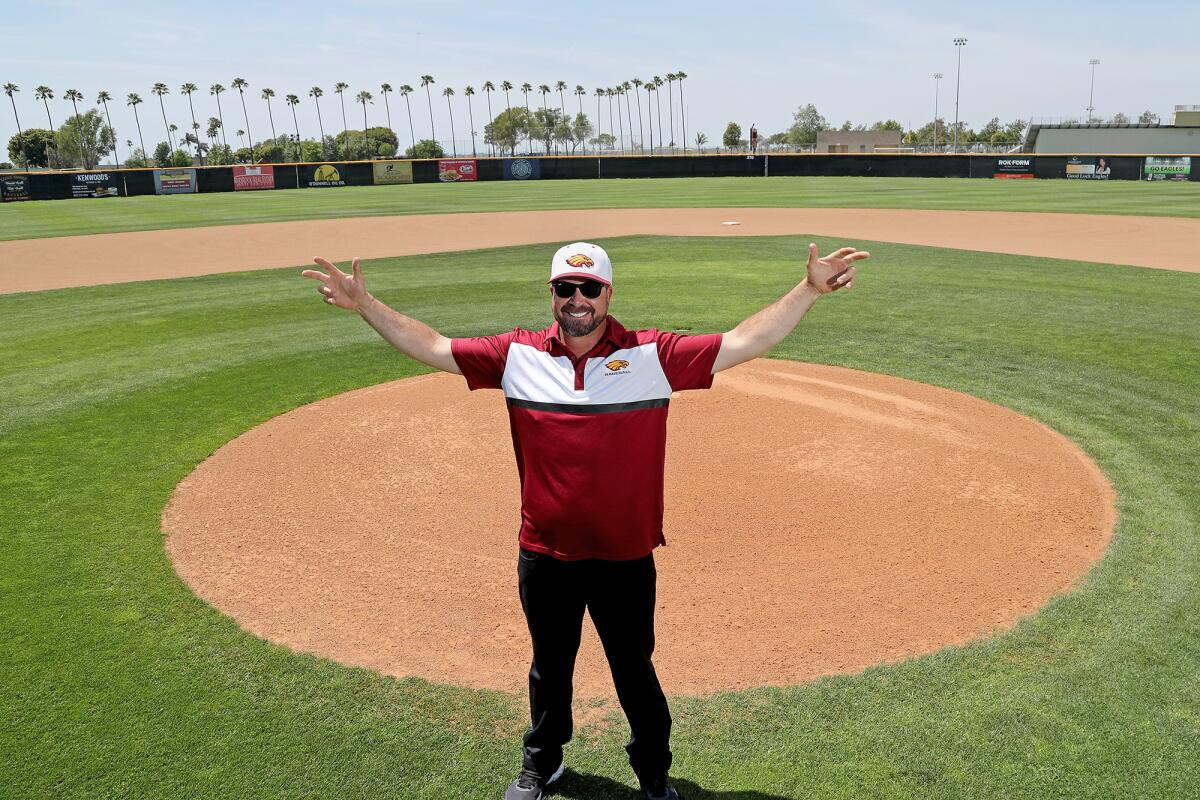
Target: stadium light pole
1092,91
937,77
959,42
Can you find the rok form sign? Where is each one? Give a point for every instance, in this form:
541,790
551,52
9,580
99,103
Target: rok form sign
1167,168
175,181
452,170
250,178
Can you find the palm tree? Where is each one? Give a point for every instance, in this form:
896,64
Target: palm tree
658,106
649,115
132,99
241,85
579,93
469,91
103,99
384,88
545,90
364,97
405,91
599,94
671,106
214,126
45,93
339,89
700,140
637,84
196,138
292,100
526,88
160,89
625,87
267,94
609,94
315,93
10,89
425,81
215,90
73,95
559,87
507,87
488,88
679,76
448,93
171,129
187,89
241,134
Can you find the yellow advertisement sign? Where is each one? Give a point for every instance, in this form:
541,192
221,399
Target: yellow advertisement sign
393,172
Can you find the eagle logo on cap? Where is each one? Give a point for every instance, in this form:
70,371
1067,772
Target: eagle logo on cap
580,260
617,364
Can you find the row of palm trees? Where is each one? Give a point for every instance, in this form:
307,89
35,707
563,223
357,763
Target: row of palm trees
216,125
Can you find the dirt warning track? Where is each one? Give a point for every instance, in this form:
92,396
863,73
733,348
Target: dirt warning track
35,264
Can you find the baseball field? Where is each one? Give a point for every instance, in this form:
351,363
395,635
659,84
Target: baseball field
121,681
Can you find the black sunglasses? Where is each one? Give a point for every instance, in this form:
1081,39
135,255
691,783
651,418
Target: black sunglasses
589,289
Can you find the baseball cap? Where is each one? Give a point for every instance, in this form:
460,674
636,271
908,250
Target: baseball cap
581,260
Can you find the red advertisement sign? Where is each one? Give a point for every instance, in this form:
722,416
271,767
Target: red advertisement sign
247,178
450,170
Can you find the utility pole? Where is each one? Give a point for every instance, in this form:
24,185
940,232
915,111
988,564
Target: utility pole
959,42
1092,91
937,77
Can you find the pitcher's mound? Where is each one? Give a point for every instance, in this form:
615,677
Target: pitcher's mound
819,520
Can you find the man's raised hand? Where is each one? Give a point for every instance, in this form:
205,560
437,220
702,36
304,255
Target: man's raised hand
337,288
835,270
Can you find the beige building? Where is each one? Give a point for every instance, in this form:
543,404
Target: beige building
857,141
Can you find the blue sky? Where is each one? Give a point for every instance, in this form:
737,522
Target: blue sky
749,61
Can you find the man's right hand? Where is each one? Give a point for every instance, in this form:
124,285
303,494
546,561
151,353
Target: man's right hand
337,288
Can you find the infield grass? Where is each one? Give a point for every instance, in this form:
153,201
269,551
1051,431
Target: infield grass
70,217
118,682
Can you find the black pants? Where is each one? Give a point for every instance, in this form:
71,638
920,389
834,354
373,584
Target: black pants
619,595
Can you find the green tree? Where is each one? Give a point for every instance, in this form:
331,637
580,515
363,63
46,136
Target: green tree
989,130
887,125
603,141
426,148
509,127
701,140
1119,119
581,130
31,146
1015,130
83,138
179,158
732,135
355,145
162,154
311,150
137,158
806,122
1147,117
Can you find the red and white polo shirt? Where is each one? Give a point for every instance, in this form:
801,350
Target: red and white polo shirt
590,433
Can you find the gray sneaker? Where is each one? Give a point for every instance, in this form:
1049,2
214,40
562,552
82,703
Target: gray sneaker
659,789
529,785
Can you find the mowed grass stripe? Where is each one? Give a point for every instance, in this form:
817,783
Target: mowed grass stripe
35,220
120,683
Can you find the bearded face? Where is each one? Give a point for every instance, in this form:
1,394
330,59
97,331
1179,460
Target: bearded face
577,316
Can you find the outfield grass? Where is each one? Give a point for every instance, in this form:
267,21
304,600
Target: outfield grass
64,218
118,682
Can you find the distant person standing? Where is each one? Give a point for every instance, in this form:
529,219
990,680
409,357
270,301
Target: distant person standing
753,138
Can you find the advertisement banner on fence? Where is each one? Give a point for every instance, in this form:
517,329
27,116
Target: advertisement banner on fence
14,188
451,170
317,176
175,181
1167,168
1092,169
392,172
95,184
522,169
1013,167
247,179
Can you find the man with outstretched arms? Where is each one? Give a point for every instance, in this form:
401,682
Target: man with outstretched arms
587,403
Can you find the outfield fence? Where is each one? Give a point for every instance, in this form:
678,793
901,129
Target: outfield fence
103,183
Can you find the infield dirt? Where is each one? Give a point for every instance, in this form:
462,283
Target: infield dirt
54,263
